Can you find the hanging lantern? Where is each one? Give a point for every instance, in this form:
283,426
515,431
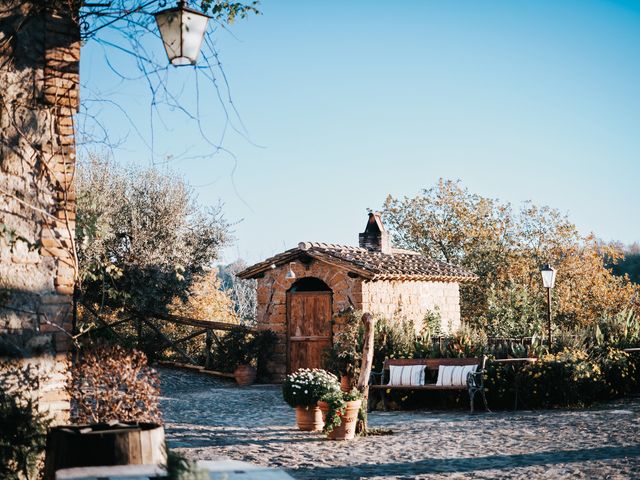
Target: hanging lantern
291,275
182,31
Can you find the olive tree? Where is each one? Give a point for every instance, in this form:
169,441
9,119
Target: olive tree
142,237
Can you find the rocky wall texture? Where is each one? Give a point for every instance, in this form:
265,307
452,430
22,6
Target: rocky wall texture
413,299
39,74
272,300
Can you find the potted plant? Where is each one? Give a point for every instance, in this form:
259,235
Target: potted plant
302,390
340,413
238,349
345,354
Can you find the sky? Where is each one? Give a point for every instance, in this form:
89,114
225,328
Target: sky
345,102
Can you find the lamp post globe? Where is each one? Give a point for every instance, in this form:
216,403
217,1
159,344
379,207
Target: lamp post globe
182,30
548,281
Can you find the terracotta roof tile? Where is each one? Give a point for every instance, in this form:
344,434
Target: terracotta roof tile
374,265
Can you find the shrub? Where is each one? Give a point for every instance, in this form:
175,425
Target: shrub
109,383
619,372
564,379
394,338
239,346
305,387
345,355
23,427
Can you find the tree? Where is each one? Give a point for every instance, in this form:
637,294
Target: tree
506,249
629,264
142,238
243,293
206,299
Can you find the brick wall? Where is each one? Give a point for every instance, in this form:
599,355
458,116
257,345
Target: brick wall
39,74
413,300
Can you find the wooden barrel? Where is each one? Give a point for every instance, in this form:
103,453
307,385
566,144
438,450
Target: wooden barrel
104,445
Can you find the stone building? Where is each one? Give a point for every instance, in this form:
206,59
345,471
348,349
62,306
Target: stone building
39,69
300,290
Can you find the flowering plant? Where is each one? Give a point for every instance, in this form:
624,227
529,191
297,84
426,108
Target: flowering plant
305,387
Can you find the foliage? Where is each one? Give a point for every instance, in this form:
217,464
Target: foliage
205,300
241,347
628,265
110,383
243,293
505,249
141,237
265,342
305,387
345,355
227,12
179,467
337,403
571,377
393,338
24,426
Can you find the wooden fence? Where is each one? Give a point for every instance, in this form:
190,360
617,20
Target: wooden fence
208,328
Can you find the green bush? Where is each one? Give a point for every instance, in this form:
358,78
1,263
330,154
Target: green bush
619,372
394,338
23,428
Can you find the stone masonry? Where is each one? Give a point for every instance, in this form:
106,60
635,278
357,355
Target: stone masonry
413,300
39,74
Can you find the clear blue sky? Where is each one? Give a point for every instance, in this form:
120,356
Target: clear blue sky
348,101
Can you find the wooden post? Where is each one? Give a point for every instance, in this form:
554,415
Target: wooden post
208,344
367,364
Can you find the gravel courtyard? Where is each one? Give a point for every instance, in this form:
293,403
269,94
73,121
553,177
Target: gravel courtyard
207,418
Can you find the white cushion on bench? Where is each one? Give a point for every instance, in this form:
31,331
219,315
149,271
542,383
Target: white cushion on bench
454,375
402,375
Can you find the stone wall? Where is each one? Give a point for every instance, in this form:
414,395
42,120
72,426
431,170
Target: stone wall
394,298
272,300
412,300
39,74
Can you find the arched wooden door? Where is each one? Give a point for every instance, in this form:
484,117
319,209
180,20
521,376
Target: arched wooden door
309,328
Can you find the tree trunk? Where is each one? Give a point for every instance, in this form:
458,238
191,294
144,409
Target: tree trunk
365,369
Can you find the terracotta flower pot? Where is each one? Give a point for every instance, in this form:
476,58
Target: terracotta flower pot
347,429
345,383
309,419
245,375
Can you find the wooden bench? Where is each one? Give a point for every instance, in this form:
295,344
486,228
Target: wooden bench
474,384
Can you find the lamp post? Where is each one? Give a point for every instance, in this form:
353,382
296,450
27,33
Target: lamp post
548,281
182,30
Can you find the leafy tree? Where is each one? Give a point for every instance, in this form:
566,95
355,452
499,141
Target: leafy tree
629,264
243,293
506,248
142,238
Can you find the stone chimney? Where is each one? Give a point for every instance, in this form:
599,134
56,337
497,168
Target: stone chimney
375,237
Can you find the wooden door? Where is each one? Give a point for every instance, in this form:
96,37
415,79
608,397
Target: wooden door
309,330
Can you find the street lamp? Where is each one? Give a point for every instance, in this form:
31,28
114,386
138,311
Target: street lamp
182,30
548,281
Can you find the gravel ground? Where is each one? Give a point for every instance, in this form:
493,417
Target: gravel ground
207,418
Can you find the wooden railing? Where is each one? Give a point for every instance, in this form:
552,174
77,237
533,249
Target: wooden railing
208,328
